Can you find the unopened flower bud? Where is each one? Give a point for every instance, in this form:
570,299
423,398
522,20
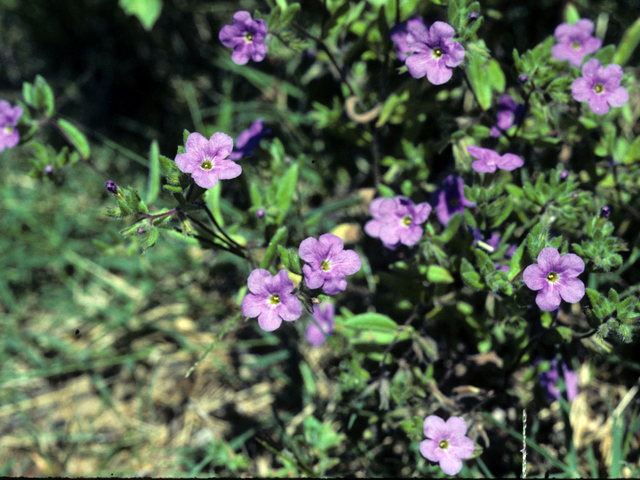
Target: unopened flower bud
287,160
522,78
260,213
111,187
140,230
605,212
564,174
48,170
473,16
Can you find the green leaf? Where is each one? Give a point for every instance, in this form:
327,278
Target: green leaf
451,230
28,94
44,94
153,183
437,274
537,239
76,138
277,238
385,191
289,15
499,211
371,322
516,264
147,11
571,14
469,275
391,103
485,263
496,76
605,55
629,43
479,79
498,282
286,189
274,19
290,259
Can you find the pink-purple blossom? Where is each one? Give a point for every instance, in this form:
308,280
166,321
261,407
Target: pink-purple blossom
446,443
575,42
488,160
396,221
434,52
328,263
509,114
450,199
246,36
9,135
399,36
271,299
549,381
324,316
600,87
206,160
555,278
249,140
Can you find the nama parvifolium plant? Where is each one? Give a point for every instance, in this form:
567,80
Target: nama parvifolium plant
321,239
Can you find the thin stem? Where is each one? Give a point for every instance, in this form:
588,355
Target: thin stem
151,218
227,237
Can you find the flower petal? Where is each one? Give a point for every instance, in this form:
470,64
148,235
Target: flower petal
290,307
419,64
618,97
308,250
334,285
461,446
450,464
258,281
456,426
196,143
372,228
482,166
598,104
347,262
581,90
227,169
510,162
313,277
203,178
269,319
455,55
421,213
548,259
570,265
433,427
548,299
534,277
411,235
572,290
439,73
429,449
440,31
252,305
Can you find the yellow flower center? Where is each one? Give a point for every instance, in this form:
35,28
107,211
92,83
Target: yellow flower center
8,129
274,299
437,52
444,444
552,277
453,202
407,220
575,46
206,164
598,88
248,37
325,265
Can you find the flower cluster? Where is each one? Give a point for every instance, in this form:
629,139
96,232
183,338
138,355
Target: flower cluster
206,160
246,36
433,51
575,42
9,135
396,221
446,443
488,160
600,87
555,277
327,265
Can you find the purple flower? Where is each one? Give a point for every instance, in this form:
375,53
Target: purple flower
48,170
260,213
605,211
434,52
555,277
396,220
324,317
488,160
111,187
249,140
522,78
399,36
450,199
206,160
549,381
509,114
327,263
564,174
270,299
446,443
574,42
600,87
246,37
9,135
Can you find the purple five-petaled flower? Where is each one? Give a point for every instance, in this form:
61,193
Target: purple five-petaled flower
206,160
549,381
249,140
324,317
246,36
600,87
555,277
446,443
396,220
434,52
328,263
399,36
509,114
575,42
271,299
488,160
9,135
450,199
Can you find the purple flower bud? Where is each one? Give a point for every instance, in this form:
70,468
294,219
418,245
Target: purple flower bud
522,79
473,16
564,174
605,212
260,213
140,230
48,170
111,187
287,160
611,162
